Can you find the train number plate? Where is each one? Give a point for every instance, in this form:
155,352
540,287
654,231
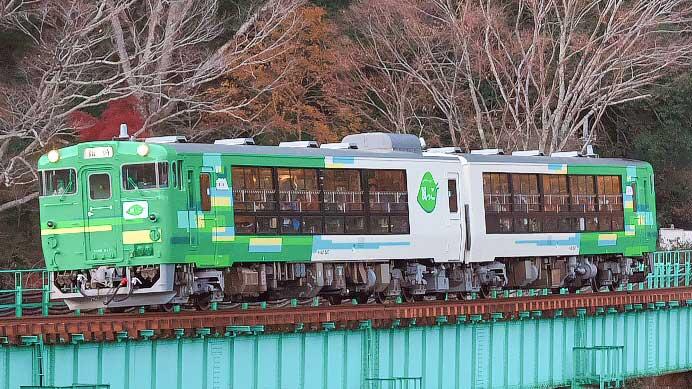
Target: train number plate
98,152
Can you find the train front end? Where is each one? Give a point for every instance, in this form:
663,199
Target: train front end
103,218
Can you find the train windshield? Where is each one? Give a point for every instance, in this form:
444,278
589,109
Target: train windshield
145,176
58,182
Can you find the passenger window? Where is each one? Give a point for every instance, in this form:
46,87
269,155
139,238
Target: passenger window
99,186
452,194
204,191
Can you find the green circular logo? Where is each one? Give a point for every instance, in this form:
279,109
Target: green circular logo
427,193
135,210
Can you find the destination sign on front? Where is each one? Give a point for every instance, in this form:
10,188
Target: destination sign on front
98,152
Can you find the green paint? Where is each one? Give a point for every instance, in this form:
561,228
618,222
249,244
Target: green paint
427,193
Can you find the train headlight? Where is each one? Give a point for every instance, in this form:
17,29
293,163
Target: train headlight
143,150
53,156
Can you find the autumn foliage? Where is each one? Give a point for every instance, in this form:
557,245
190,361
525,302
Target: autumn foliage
302,98
106,126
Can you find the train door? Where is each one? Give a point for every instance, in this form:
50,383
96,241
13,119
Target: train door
102,213
455,220
207,216
192,207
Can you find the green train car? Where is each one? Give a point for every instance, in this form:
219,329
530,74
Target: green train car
161,222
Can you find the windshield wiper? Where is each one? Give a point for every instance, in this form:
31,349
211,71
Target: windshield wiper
68,189
132,182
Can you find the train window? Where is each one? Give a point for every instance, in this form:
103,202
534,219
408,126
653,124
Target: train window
100,186
525,194
399,224
379,224
145,176
253,189
342,190
334,225
327,201
496,192
312,225
58,182
609,193
245,224
298,191
453,197
555,193
290,225
267,224
177,174
204,191
583,193
355,225
387,191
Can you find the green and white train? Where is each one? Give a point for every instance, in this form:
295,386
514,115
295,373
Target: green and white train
161,222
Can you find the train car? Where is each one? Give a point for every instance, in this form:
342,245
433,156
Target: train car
160,222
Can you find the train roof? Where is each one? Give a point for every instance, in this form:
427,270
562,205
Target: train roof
187,148
514,159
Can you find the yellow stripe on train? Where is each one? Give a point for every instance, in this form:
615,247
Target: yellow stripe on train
76,230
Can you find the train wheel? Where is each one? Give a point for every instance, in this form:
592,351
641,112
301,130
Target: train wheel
334,299
410,297
380,297
167,307
362,298
203,302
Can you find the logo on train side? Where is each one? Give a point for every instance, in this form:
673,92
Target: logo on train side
427,193
135,210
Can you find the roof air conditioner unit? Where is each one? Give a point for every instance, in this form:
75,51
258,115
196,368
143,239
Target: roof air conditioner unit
166,139
339,146
488,152
311,144
235,142
528,153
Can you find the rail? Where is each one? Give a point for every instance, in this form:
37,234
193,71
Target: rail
141,324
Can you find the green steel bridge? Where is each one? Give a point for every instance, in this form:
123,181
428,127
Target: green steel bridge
601,347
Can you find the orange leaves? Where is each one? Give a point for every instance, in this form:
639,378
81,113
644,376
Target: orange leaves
300,98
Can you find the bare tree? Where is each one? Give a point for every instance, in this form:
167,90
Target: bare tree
570,60
89,53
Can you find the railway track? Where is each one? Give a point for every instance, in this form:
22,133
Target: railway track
111,327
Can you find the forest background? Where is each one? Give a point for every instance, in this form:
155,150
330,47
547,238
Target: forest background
513,74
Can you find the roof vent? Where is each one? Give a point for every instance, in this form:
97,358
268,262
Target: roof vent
566,154
166,139
311,144
445,150
528,153
339,146
385,142
235,142
488,152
